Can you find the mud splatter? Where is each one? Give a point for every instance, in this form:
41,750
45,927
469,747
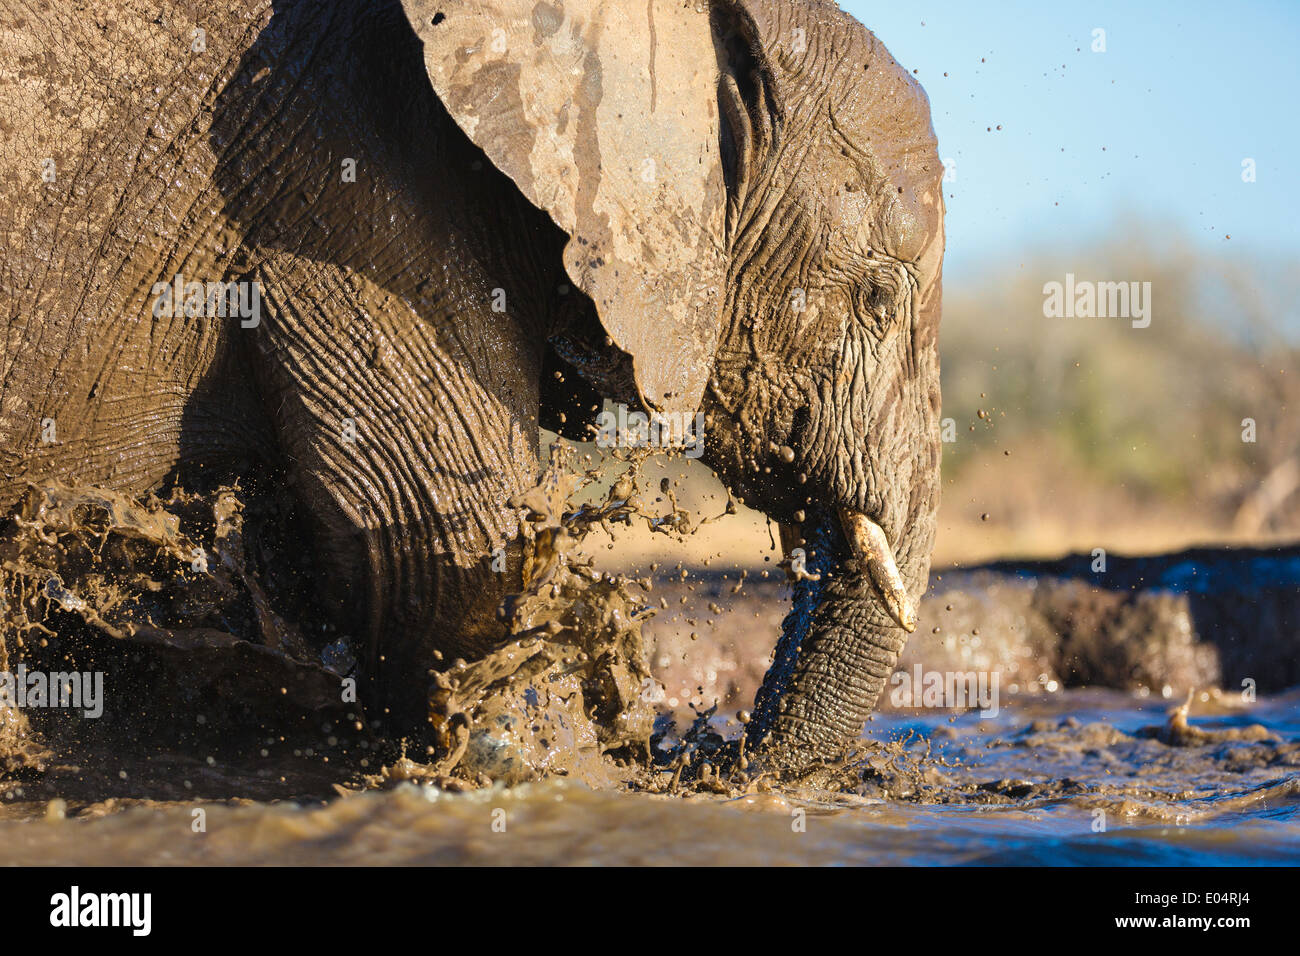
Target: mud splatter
170,572
567,712
91,574
569,692
168,601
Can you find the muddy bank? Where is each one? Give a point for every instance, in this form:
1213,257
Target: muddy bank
1159,625
1199,617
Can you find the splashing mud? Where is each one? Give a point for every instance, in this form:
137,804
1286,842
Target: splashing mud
566,693
224,696
175,601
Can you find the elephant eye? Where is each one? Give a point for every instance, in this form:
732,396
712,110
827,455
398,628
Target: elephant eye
873,306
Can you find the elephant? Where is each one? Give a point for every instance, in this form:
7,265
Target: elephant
439,225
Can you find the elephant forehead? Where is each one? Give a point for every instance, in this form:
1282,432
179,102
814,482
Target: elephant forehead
905,152
870,110
604,114
885,115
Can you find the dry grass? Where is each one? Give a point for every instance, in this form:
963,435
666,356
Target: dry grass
1033,512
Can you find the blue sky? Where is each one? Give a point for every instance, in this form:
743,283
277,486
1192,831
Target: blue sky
1155,128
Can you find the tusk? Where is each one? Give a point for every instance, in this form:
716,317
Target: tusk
867,539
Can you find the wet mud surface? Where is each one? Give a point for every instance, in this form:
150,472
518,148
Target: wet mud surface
1081,777
603,727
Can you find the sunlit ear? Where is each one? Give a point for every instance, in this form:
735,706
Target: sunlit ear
604,113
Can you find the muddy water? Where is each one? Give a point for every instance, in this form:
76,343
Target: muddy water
1077,777
1059,774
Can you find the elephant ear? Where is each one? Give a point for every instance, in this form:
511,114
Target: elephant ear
604,113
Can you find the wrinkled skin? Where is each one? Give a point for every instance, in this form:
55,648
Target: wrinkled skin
386,384
851,385
377,299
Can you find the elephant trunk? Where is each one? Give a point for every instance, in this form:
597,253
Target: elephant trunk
839,644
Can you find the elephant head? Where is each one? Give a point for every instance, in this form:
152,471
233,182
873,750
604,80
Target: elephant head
751,194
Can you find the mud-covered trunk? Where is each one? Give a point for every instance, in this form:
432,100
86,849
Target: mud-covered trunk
837,649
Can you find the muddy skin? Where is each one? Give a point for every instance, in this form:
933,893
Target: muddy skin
378,379
333,161
832,408
336,158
